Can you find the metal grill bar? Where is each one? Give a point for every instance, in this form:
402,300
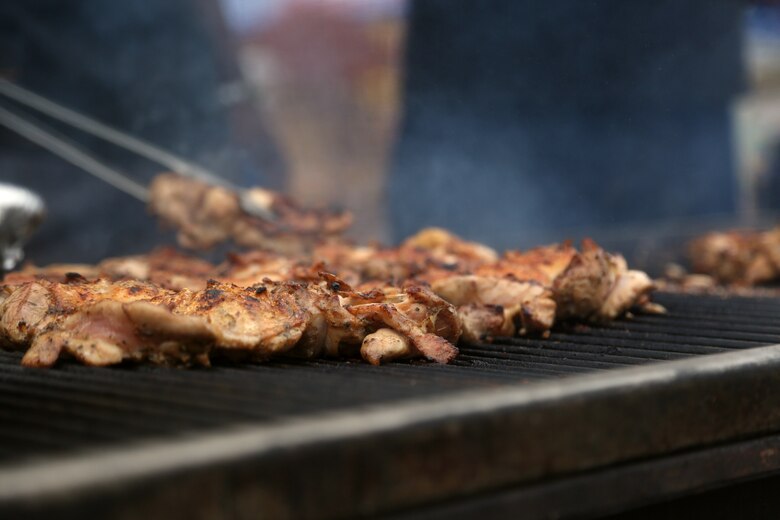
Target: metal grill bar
72,408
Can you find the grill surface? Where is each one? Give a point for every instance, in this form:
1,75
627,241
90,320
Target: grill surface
73,408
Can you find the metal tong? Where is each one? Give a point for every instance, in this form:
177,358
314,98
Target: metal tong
70,152
21,211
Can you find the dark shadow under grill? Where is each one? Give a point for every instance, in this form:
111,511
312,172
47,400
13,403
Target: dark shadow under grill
71,407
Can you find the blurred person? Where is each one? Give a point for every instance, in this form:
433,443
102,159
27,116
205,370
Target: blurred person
523,118
153,69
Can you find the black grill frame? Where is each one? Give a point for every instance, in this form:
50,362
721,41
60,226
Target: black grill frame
503,415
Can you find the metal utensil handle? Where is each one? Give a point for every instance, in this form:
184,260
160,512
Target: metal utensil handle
71,153
112,135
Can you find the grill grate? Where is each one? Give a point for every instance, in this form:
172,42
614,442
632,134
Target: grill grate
73,408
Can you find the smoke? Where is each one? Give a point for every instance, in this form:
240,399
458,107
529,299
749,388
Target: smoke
523,121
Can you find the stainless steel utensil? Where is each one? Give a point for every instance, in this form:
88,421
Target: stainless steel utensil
21,211
68,151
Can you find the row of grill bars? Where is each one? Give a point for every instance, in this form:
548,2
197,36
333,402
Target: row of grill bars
73,407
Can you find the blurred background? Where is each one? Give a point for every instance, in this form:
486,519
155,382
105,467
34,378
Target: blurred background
326,76
511,122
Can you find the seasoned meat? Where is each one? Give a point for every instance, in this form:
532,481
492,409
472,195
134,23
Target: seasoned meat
482,322
527,304
254,267
423,255
587,285
741,258
32,307
431,324
267,322
206,215
447,248
164,266
416,300
386,345
541,264
331,329
103,323
108,332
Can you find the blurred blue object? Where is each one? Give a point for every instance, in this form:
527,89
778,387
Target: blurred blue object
523,119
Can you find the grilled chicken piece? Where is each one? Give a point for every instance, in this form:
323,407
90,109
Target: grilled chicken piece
542,264
526,306
363,263
265,320
108,332
583,286
331,329
30,308
431,324
483,322
738,257
587,285
598,286
386,345
103,323
631,288
431,249
165,266
255,267
34,309
447,248
206,215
